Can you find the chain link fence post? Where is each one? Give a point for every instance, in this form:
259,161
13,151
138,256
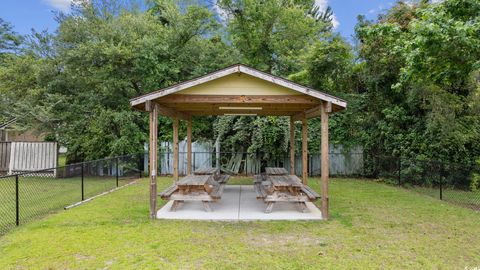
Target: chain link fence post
441,180
82,184
246,167
17,202
116,171
140,172
399,171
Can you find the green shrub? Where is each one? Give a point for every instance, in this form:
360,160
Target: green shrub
475,180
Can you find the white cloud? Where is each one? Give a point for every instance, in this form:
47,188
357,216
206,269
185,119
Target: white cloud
62,5
322,5
220,11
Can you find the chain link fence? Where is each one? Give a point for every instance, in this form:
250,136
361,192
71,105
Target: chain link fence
30,195
451,182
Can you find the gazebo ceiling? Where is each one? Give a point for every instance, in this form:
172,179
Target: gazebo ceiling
238,90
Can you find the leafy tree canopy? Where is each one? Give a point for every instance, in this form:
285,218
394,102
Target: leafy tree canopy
411,79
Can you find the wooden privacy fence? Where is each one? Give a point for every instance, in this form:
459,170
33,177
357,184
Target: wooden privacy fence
201,157
4,156
24,157
342,162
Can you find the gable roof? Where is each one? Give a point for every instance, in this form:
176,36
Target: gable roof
239,68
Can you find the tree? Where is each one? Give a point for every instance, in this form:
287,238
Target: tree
10,43
272,34
420,90
79,92
9,39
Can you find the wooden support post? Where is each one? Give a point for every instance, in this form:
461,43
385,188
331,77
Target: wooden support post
304,151
153,109
292,146
189,146
269,207
217,153
324,110
175,148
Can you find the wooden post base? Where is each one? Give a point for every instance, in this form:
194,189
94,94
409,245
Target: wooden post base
206,206
302,207
269,208
175,205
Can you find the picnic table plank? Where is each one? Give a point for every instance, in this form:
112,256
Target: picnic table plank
275,171
284,181
193,180
205,171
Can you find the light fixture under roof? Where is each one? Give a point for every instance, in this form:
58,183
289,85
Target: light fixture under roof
240,108
240,114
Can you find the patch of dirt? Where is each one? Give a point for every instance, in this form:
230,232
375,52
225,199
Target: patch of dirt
282,241
81,257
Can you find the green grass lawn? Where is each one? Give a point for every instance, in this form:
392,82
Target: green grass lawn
39,196
372,226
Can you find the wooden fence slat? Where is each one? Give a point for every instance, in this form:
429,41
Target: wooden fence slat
4,156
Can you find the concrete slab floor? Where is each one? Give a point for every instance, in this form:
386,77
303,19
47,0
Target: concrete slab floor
238,203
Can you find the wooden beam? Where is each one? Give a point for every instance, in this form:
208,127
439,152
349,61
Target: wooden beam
324,160
249,109
238,99
148,106
189,146
153,142
304,151
170,112
328,106
175,148
233,106
314,112
223,112
292,146
309,113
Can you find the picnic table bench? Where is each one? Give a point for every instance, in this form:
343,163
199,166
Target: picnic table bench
205,186
278,186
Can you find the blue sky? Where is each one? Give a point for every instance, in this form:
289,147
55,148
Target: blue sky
39,14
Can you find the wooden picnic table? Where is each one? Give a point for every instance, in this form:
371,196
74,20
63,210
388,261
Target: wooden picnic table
196,187
278,186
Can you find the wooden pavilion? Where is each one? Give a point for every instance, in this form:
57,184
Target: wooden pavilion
238,90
